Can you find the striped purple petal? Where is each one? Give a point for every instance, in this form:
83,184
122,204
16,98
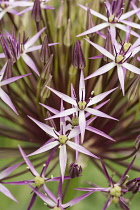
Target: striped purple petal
29,164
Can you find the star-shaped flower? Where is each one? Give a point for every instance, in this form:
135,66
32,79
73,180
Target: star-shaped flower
14,49
3,94
60,139
28,4
119,60
39,179
81,106
115,190
56,204
113,19
9,9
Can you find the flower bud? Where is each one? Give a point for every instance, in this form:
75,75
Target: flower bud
45,51
67,36
78,60
90,23
75,170
36,11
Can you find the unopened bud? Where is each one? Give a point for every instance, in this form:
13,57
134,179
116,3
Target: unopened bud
67,36
36,11
90,23
78,60
75,170
45,51
59,17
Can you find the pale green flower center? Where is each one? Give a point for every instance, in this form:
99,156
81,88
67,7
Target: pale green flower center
39,181
116,193
75,121
56,208
115,200
126,46
112,19
62,139
119,58
82,104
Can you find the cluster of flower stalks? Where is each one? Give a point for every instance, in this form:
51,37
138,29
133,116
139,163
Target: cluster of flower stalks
73,103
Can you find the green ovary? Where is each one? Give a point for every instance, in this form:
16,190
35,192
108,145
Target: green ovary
126,46
75,121
56,208
119,58
39,181
62,139
82,104
112,19
116,193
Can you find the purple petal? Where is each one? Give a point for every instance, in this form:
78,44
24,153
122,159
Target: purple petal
46,7
96,107
2,55
129,23
134,7
49,130
93,12
82,124
9,170
102,70
31,41
49,193
95,57
63,113
131,67
135,51
25,10
96,189
6,192
38,47
63,160
101,49
124,204
99,113
2,71
121,77
125,173
74,132
12,79
30,63
101,133
128,14
45,198
32,201
54,111
19,3
107,203
7,100
63,96
124,28
81,149
76,200
29,164
25,182
106,174
113,32
45,148
82,87
94,29
100,97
